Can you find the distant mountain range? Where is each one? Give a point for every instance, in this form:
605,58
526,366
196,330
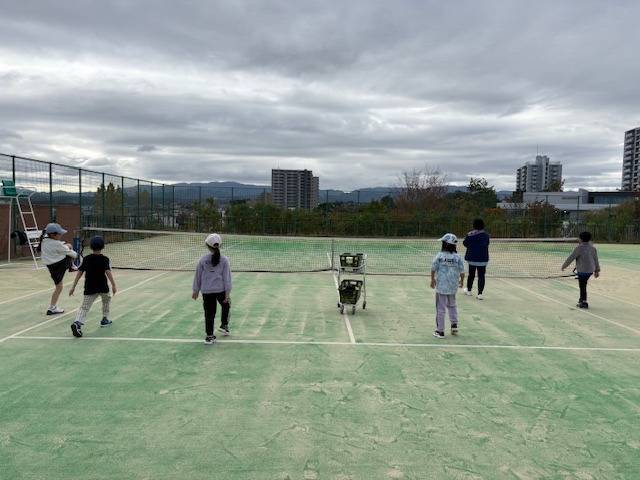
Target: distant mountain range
225,192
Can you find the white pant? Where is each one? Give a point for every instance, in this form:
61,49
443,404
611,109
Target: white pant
87,301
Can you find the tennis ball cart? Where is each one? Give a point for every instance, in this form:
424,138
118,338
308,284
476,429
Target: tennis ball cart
351,290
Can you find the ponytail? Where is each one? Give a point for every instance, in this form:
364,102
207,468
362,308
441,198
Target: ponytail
215,256
42,237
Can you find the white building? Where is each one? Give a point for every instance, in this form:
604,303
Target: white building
294,188
538,176
631,160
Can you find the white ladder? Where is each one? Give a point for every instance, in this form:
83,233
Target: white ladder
30,225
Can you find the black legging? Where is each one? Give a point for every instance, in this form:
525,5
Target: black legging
472,275
583,279
210,301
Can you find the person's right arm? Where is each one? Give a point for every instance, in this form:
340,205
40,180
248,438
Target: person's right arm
79,274
197,278
570,258
61,248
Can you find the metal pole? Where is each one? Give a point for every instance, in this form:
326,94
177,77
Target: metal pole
122,198
51,219
232,194
173,205
137,203
104,203
164,213
80,195
13,169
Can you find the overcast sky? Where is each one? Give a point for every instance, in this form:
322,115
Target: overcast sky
357,91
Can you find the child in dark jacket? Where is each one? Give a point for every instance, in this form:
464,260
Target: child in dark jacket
477,256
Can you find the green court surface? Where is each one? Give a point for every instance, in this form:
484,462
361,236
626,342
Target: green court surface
531,388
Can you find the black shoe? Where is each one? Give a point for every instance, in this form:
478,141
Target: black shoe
454,329
105,322
438,334
582,305
76,329
224,329
209,339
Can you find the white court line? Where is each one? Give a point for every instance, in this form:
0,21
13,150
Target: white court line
592,291
434,346
347,323
587,312
27,295
56,317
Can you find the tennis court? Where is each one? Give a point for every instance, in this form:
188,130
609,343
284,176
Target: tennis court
531,388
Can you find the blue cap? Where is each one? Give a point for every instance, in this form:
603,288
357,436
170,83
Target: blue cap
96,243
54,228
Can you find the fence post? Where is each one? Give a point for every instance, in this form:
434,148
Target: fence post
164,212
152,211
122,200
137,203
51,219
104,203
232,194
80,195
264,193
13,168
173,205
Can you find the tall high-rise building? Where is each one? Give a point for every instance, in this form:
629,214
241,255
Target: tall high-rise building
631,160
538,176
294,188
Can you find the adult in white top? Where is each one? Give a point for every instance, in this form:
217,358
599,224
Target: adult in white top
57,256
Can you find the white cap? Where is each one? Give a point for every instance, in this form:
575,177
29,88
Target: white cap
213,239
54,228
449,238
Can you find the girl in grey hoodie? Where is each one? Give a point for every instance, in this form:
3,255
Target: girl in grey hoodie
213,279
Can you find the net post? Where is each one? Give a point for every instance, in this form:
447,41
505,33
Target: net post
333,254
13,168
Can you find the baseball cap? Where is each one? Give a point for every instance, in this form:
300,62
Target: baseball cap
449,238
213,239
96,243
54,228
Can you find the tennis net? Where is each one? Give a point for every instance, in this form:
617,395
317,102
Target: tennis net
180,251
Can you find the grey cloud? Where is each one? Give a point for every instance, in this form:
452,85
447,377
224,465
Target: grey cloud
146,148
472,86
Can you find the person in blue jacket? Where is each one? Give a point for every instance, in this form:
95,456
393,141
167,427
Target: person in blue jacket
477,256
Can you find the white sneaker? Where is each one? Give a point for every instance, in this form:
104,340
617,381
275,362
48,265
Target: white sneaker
54,310
467,292
480,297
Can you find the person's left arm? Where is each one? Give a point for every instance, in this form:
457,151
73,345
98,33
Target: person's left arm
226,275
112,281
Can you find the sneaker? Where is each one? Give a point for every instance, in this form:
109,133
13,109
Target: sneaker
468,293
438,334
224,329
209,339
454,329
480,296
582,305
76,329
105,322
54,310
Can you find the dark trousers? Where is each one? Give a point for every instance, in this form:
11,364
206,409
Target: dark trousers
210,302
472,275
583,279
